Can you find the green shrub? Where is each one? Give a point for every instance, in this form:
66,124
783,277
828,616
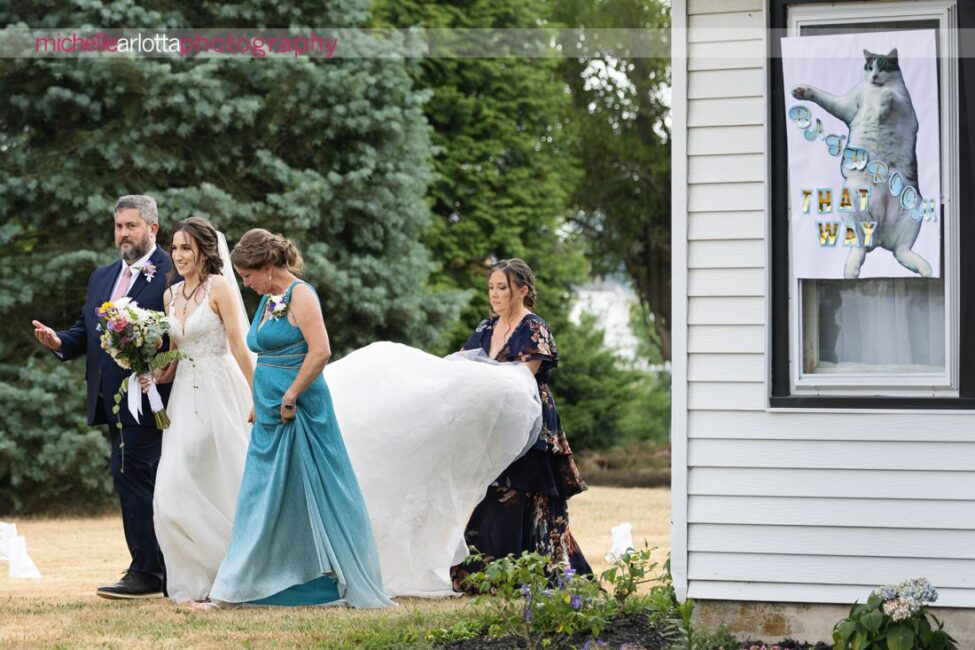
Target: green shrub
50,459
545,605
602,402
541,604
630,571
894,618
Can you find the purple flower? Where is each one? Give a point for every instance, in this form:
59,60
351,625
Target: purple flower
278,307
527,593
576,602
148,270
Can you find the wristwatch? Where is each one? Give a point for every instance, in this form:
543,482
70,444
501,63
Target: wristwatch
288,406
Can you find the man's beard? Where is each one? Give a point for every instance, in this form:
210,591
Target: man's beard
137,251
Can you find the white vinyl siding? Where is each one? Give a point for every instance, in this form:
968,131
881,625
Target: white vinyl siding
725,225
727,339
727,169
815,593
726,367
726,26
735,111
784,505
711,140
931,427
723,56
726,311
726,282
724,395
912,484
733,254
710,84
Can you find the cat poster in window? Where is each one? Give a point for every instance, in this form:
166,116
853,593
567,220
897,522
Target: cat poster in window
863,136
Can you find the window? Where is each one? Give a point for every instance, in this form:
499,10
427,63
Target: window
875,341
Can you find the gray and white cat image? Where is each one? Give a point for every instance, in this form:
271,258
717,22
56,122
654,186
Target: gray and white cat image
881,118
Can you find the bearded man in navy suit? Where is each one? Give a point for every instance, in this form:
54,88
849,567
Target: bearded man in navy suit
140,274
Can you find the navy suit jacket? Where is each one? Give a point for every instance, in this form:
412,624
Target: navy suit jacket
103,375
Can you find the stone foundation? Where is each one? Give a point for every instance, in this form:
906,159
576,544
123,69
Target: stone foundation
806,622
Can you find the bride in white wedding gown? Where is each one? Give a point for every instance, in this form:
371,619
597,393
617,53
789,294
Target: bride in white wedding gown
204,448
426,437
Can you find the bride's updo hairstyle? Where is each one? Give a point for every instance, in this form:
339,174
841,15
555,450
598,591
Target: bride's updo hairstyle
203,233
259,248
519,274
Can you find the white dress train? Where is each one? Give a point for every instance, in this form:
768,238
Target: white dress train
203,453
426,437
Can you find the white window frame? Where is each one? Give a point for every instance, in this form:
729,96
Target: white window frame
939,384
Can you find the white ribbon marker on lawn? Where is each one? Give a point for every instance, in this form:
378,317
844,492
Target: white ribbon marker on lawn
13,548
622,541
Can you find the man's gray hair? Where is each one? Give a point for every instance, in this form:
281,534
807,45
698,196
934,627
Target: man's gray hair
146,205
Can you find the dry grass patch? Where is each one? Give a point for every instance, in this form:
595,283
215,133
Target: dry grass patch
77,554
594,512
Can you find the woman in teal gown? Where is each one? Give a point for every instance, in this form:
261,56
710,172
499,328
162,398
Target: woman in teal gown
301,533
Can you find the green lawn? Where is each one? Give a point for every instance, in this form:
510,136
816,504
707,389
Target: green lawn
76,554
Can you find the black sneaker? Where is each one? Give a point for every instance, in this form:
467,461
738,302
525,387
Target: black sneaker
133,586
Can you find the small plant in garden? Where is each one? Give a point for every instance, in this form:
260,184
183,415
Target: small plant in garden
633,569
684,635
547,605
542,604
895,618
676,619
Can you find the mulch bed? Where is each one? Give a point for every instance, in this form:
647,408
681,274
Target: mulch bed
630,632
635,631
788,644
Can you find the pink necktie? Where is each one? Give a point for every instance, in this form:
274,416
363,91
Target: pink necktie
123,285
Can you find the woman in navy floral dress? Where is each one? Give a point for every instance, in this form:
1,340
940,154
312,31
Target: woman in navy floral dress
525,508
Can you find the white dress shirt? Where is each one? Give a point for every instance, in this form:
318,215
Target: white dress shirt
139,262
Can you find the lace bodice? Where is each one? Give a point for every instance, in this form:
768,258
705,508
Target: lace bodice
205,336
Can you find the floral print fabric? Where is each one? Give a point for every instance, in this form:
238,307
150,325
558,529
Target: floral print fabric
525,508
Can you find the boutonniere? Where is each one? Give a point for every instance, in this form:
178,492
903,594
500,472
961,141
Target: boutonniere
277,307
148,269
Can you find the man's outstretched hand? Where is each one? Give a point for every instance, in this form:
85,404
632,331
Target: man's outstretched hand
46,335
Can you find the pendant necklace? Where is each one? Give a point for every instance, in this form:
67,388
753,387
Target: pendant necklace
187,299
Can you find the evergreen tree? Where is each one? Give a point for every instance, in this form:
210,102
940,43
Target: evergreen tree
504,165
335,154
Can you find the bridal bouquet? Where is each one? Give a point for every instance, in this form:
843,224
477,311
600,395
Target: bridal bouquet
129,335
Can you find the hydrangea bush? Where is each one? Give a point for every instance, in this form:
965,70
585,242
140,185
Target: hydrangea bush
896,618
